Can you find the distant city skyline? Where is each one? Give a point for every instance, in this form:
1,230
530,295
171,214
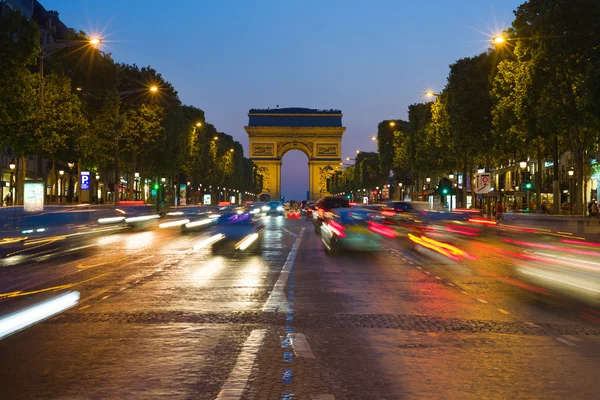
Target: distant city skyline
369,59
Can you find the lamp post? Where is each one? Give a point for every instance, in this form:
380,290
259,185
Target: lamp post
71,188
523,165
61,173
571,174
401,191
12,167
136,185
97,187
451,177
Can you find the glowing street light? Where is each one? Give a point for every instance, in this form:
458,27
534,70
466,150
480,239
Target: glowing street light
231,150
373,137
428,179
357,151
95,41
451,175
216,138
523,164
498,39
198,124
430,93
154,88
392,123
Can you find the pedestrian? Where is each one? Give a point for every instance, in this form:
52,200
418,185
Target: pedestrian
499,211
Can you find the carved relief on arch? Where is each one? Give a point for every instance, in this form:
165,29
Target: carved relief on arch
305,147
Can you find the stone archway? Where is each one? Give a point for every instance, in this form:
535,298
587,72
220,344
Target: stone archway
317,133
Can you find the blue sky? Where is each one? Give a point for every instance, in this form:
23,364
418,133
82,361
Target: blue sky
371,59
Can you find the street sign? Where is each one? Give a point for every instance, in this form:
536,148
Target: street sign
483,183
85,180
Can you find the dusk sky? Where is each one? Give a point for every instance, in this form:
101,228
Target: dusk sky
371,59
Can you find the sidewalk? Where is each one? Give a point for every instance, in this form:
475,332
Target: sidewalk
575,224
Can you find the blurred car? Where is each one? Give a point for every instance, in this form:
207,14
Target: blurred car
236,233
353,229
275,207
324,206
309,211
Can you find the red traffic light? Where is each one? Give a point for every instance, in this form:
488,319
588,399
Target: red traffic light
374,191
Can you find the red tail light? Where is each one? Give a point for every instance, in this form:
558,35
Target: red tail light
382,230
336,228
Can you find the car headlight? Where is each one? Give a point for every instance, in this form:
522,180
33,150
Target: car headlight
279,208
265,208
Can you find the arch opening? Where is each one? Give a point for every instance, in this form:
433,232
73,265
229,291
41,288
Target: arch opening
295,175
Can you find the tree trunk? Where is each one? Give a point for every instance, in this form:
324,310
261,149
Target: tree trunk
21,185
538,184
555,181
463,197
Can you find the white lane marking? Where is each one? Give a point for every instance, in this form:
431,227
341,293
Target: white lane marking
277,301
290,232
450,284
463,292
105,297
532,324
322,397
419,268
236,383
483,301
411,263
565,341
503,311
83,308
572,338
300,345
437,277
428,273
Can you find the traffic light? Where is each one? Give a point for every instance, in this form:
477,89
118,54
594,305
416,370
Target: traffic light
348,196
156,186
528,185
445,190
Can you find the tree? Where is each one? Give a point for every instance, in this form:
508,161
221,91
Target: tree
560,38
61,122
468,105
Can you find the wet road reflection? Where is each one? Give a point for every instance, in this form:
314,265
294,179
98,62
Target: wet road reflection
196,322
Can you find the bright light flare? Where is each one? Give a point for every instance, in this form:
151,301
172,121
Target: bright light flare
110,220
31,315
499,39
154,89
95,41
429,93
141,218
171,224
207,242
482,221
247,241
199,223
175,213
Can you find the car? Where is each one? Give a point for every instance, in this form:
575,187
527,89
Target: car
309,211
324,206
236,233
353,229
275,207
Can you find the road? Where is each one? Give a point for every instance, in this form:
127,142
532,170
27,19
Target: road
158,319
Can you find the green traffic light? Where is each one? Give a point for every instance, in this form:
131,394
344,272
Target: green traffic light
156,186
528,185
445,191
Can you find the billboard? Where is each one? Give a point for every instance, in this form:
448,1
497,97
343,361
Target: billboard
33,197
182,194
207,199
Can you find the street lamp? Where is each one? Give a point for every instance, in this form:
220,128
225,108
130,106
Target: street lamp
523,164
61,173
70,165
12,167
357,151
392,123
136,185
373,137
428,179
498,40
216,138
198,124
430,93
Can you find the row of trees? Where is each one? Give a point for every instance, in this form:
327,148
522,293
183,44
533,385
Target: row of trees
533,95
83,107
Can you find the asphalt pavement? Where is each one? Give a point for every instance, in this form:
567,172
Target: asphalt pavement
160,317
